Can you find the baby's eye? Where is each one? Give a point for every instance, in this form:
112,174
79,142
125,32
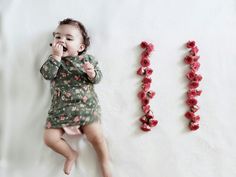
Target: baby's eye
69,39
57,37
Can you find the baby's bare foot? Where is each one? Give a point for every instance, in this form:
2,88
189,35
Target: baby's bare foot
69,163
106,170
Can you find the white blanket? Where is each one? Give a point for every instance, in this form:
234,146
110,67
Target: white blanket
116,28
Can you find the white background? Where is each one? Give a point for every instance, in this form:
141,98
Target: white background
116,29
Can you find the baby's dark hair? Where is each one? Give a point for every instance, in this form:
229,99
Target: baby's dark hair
80,26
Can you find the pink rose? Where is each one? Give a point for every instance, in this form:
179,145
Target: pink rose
146,108
150,48
193,84
191,101
194,50
141,94
194,108
195,66
191,75
145,101
148,71
144,44
190,44
188,59
141,71
189,115
145,62
151,94
146,86
152,122
149,115
198,77
143,119
194,92
147,80
145,127
193,126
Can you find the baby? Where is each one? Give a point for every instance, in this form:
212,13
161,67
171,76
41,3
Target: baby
74,107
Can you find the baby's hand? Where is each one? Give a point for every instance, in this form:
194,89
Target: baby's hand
57,50
89,69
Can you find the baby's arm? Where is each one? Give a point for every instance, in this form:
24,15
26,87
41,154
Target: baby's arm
97,76
50,68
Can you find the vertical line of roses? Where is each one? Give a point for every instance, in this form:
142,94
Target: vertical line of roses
145,94
192,59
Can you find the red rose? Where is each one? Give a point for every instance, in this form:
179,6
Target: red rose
190,44
189,115
193,126
151,94
141,71
147,80
141,94
146,108
148,71
191,101
193,84
144,44
188,59
145,127
145,62
152,122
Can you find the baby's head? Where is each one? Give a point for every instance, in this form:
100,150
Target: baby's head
72,35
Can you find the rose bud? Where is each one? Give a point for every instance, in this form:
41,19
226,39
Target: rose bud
145,127
191,101
151,94
189,115
148,71
193,85
194,108
143,119
152,122
188,59
141,71
146,108
146,80
144,44
190,44
145,62
193,126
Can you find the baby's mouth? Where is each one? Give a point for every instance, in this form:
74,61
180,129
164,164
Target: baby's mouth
64,49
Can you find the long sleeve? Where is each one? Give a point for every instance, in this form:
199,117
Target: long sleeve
50,68
98,73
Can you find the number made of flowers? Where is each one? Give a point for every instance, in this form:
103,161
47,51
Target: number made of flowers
145,94
192,59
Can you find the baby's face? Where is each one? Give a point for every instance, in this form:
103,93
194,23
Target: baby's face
70,38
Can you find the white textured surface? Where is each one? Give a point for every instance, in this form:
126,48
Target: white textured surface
116,29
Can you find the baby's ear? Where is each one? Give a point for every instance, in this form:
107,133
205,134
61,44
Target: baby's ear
81,48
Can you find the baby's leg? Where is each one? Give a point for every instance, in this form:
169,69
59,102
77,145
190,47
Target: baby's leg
53,138
95,136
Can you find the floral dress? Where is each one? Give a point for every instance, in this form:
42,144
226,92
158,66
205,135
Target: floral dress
74,102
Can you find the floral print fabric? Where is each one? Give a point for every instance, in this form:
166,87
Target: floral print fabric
74,101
